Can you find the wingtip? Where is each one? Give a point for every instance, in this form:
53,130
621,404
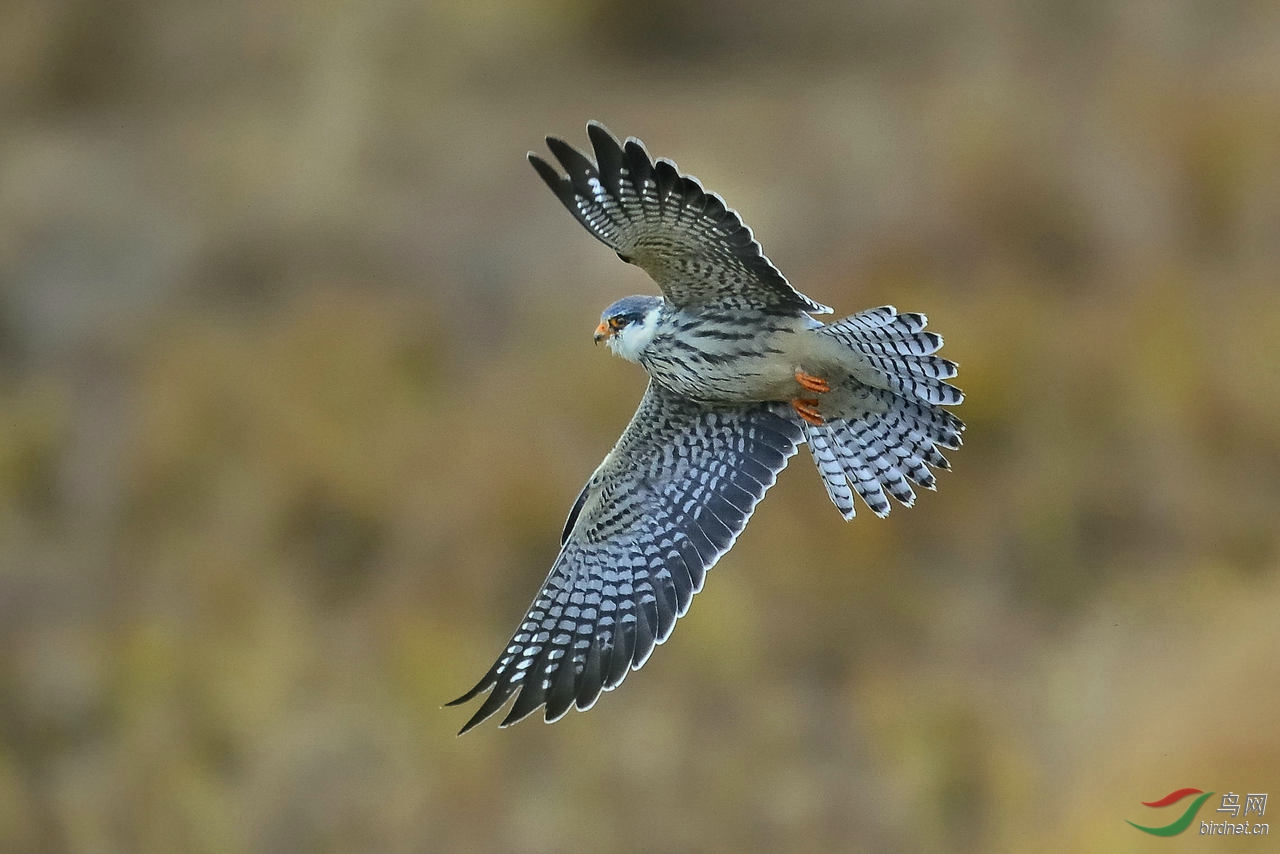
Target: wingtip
516,714
482,714
476,690
597,129
537,161
556,144
470,724
553,179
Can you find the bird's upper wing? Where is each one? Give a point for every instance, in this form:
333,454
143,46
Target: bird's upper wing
666,503
694,246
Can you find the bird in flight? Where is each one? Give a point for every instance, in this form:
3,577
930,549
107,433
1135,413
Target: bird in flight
740,375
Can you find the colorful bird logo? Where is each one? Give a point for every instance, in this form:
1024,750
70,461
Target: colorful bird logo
1187,817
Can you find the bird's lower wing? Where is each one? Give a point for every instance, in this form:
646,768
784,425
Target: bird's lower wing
666,503
695,247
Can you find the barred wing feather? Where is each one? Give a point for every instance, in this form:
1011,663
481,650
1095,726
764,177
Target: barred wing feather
666,503
695,247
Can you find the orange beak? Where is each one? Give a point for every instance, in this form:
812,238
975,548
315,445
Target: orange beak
602,332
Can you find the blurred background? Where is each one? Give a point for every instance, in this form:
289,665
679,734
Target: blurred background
297,386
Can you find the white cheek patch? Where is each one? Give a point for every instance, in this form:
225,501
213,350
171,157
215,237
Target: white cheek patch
631,340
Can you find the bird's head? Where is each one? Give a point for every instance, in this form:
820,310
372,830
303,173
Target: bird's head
629,325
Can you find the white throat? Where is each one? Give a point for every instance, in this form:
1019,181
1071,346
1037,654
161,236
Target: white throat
630,341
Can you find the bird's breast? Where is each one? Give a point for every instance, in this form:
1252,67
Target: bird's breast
725,357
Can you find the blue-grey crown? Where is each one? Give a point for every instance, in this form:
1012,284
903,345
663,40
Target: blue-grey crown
633,307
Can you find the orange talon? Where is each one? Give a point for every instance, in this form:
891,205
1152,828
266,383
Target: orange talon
807,408
812,383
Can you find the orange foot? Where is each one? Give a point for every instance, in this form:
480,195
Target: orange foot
812,383
807,408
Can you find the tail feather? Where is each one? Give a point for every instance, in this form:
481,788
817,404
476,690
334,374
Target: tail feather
906,382
882,437
872,318
918,344
899,353
853,467
826,456
926,367
879,453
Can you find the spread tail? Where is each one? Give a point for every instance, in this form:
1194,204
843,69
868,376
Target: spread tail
885,421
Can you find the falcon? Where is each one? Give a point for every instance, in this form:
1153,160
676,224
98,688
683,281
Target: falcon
741,374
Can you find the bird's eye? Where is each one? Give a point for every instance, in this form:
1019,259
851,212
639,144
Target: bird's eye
616,323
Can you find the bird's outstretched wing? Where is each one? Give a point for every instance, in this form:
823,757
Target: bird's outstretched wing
694,246
666,503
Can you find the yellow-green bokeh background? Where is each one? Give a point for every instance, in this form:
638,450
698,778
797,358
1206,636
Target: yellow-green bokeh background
296,386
